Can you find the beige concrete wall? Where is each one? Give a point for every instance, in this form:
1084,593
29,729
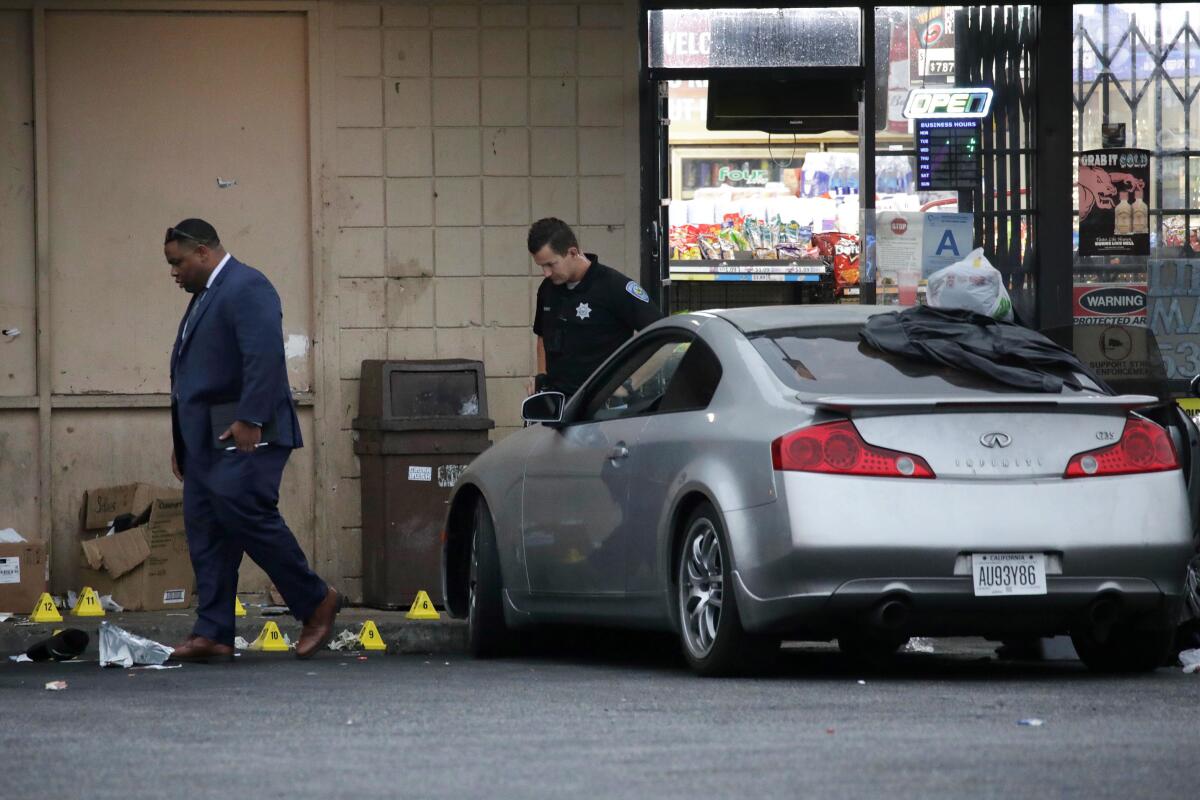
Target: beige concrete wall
20,503
17,278
434,134
458,124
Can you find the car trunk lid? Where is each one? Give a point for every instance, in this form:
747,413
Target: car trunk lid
1013,437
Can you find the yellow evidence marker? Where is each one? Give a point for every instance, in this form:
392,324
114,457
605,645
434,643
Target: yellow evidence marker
422,608
45,610
88,604
369,638
270,640
239,610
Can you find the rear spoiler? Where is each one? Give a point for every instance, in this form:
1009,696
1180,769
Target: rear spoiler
875,402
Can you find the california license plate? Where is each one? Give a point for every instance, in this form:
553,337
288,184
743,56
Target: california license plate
1008,574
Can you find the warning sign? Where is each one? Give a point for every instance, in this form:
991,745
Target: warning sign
1109,304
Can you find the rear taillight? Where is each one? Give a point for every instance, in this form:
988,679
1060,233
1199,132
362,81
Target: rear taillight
1144,447
836,447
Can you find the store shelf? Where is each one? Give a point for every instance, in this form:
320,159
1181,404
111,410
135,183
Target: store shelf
750,270
791,265
744,277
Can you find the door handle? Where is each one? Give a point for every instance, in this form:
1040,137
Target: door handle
618,452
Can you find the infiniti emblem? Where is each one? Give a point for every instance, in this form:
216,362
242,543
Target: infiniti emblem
996,439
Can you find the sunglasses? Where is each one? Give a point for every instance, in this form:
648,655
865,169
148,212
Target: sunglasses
175,233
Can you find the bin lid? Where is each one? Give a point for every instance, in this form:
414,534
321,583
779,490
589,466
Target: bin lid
450,388
423,424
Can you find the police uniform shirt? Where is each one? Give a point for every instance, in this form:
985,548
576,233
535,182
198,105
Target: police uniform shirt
581,327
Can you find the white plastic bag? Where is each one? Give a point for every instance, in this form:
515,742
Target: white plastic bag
973,284
119,647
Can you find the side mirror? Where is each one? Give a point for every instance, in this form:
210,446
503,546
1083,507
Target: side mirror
544,407
1194,386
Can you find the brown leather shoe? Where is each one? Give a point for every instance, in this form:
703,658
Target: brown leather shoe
198,649
318,629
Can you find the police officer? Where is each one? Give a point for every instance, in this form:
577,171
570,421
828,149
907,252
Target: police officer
585,310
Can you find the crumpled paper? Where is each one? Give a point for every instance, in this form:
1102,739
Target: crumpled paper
918,644
346,640
119,647
1190,660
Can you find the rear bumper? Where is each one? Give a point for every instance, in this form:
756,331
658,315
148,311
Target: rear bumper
831,549
949,607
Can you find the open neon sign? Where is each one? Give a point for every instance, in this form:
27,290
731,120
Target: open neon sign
926,103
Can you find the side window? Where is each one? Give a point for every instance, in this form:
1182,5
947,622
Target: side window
695,382
637,384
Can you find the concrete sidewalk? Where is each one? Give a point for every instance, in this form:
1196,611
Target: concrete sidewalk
401,635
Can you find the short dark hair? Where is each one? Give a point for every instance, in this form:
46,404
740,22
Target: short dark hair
554,232
192,233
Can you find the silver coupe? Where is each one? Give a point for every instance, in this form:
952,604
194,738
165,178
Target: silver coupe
750,476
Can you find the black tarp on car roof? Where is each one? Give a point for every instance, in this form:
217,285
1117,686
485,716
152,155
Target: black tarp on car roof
1004,351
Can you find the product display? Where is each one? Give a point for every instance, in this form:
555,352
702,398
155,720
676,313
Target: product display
738,237
841,251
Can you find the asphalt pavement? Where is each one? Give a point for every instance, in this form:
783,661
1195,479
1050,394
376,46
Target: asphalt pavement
598,715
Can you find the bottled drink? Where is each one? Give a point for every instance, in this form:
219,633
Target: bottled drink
1140,221
1123,216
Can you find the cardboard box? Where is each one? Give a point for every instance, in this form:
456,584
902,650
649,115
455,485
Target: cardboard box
147,568
101,506
22,576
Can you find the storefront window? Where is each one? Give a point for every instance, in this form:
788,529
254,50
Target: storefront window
1136,77
760,169
970,157
754,37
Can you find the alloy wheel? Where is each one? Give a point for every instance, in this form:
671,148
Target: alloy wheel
701,587
473,575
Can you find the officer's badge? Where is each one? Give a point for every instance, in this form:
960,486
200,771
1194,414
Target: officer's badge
637,291
583,311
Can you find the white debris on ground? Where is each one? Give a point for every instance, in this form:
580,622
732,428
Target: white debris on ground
159,666
119,647
918,645
56,686
1190,660
346,640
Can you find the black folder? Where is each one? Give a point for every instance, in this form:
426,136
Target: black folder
224,415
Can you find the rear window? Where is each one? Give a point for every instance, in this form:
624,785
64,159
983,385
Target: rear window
834,360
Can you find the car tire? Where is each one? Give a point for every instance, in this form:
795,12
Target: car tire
1125,649
710,628
487,634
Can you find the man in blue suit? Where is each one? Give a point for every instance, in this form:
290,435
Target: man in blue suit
229,385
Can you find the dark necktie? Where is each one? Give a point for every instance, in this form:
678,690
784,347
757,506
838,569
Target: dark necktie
191,317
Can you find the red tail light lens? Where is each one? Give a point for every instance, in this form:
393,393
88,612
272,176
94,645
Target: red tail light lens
836,448
1144,447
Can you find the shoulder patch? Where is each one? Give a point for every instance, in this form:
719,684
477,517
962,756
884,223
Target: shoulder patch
637,291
